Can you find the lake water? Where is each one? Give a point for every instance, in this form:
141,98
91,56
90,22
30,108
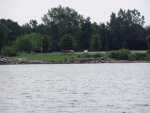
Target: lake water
75,88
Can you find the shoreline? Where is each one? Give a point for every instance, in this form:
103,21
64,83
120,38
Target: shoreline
16,61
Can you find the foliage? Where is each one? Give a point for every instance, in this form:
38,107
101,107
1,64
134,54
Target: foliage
147,28
3,37
148,51
87,56
24,44
35,39
3,34
67,19
93,55
46,43
97,55
55,57
139,56
9,51
67,42
148,41
125,54
86,32
49,57
126,30
14,29
26,29
33,23
61,21
122,54
95,43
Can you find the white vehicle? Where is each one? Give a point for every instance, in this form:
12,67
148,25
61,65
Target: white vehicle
85,51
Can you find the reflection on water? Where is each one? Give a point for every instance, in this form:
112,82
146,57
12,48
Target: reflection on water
75,88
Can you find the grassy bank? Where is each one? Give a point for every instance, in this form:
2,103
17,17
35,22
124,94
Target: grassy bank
57,57
49,57
118,55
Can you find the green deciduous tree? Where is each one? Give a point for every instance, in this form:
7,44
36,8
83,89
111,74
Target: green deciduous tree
46,40
61,21
10,51
126,27
95,43
147,28
86,32
14,30
24,44
67,42
67,19
33,23
148,41
3,36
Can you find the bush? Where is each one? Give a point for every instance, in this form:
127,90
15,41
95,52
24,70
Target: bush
113,54
87,56
140,56
147,57
9,51
78,56
132,57
122,54
148,51
97,55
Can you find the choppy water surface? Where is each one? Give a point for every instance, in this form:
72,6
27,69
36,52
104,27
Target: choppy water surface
75,88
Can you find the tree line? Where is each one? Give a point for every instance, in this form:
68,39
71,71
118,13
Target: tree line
64,28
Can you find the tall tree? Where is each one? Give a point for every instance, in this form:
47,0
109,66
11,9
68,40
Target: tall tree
95,43
14,30
104,34
30,27
67,42
148,41
147,28
95,28
33,23
121,26
61,21
26,29
24,44
3,36
55,36
86,32
46,43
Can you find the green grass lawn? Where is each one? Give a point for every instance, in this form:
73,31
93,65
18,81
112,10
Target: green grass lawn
57,57
49,56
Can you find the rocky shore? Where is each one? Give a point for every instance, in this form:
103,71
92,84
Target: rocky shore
11,61
15,61
100,60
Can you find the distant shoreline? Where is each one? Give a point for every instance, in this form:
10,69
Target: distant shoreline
16,61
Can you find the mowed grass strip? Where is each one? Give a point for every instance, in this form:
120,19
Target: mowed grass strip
49,56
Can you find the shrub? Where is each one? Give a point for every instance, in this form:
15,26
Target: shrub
140,56
132,57
87,56
78,56
122,54
147,57
9,51
97,55
65,59
148,51
113,54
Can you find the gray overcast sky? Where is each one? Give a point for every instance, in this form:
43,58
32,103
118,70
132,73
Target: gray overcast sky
22,11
